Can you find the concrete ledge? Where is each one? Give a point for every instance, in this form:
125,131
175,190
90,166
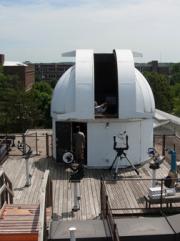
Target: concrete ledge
85,230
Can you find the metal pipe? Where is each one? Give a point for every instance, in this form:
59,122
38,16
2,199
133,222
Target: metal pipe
24,144
153,177
28,181
76,197
36,144
72,233
163,144
47,145
161,193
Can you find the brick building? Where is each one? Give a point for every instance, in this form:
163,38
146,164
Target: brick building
51,71
25,73
154,66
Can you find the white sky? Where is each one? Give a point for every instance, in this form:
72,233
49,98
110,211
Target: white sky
40,30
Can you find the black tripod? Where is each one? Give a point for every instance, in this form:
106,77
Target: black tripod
120,155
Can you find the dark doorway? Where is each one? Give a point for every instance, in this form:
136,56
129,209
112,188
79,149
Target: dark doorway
64,138
106,82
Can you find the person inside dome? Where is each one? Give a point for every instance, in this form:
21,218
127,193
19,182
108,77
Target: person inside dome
79,144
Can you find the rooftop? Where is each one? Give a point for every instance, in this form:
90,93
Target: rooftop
13,63
128,192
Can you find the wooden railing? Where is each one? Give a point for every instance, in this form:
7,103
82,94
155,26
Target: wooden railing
45,202
163,202
107,214
6,191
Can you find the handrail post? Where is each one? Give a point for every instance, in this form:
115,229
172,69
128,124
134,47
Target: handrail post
102,197
161,193
24,143
45,201
51,146
6,194
114,231
36,144
101,194
47,145
106,205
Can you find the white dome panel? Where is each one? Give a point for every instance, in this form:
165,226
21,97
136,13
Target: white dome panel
144,97
74,94
126,83
64,96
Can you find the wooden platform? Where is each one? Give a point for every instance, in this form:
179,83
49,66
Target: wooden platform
124,193
19,222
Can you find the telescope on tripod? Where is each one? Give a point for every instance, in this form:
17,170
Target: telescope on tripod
120,146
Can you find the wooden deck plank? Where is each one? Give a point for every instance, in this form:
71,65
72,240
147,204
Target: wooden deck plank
94,194
58,185
69,203
121,194
90,195
65,196
83,201
131,200
59,189
54,176
85,198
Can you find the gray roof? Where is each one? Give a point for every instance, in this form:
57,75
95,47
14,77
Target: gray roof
164,121
161,116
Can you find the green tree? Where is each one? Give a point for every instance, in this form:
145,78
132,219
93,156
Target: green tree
41,93
18,111
175,73
175,89
161,90
176,108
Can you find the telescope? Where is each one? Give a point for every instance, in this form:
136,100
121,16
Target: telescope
120,146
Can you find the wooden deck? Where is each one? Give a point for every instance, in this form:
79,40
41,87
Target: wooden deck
122,194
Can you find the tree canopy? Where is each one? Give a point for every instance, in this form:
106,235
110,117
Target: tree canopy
175,73
161,90
20,109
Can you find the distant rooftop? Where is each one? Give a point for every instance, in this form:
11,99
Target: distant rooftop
49,63
13,63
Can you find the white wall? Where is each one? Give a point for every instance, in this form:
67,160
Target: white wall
54,137
147,137
100,142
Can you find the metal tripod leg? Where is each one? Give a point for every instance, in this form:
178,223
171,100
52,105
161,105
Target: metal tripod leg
116,168
135,169
111,167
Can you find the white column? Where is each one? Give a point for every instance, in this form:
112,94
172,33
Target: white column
153,177
72,233
76,196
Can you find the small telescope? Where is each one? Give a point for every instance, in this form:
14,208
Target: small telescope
121,142
121,145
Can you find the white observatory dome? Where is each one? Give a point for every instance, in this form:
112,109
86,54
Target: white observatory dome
110,80
74,94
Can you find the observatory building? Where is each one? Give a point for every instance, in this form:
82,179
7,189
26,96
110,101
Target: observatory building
107,97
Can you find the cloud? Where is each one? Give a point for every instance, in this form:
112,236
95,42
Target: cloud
41,30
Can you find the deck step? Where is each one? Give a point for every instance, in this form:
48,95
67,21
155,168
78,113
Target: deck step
19,222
